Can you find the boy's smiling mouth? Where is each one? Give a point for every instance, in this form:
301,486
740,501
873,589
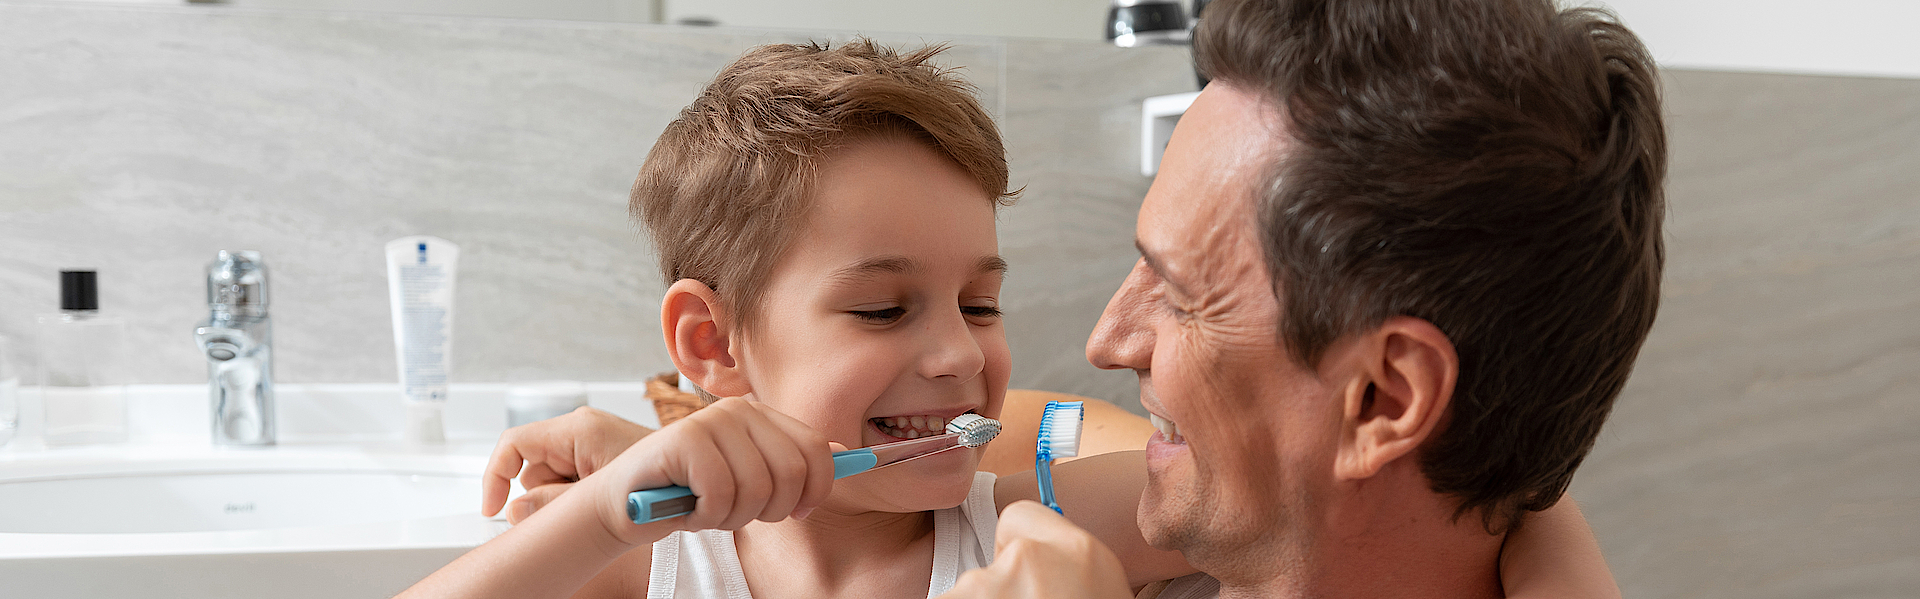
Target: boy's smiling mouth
915,426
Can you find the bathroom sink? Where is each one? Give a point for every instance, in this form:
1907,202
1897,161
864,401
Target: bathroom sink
340,508
233,492
332,520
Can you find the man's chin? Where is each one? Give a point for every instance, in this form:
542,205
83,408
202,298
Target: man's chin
1167,504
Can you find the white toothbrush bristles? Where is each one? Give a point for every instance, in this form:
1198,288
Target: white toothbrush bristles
1060,429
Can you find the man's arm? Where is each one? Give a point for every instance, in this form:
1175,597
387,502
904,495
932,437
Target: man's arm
1108,428
1101,494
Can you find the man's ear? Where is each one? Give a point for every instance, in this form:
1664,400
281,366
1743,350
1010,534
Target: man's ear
1397,397
699,335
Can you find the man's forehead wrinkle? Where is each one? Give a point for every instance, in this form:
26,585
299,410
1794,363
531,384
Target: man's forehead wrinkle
1213,262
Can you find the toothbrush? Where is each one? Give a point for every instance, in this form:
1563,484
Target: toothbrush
965,430
1059,438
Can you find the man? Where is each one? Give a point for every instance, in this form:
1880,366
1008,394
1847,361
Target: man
1397,264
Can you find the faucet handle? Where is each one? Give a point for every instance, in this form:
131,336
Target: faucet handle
237,278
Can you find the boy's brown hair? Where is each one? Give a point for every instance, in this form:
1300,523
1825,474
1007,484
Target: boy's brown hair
730,180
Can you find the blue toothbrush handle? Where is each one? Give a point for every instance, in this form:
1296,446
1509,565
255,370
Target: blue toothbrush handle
652,505
1043,473
853,461
656,504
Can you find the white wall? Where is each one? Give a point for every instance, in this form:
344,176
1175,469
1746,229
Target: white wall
1839,37
1056,19
1834,37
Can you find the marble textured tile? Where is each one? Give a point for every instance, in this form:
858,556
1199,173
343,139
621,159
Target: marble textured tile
1072,127
1766,445
140,141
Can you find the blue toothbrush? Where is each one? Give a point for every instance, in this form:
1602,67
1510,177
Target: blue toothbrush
966,430
1059,438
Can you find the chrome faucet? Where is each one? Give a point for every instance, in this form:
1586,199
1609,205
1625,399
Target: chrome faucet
237,341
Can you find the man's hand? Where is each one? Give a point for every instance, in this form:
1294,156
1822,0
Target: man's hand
556,452
1039,554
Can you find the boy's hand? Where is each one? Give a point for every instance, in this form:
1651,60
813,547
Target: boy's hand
744,460
1037,553
555,451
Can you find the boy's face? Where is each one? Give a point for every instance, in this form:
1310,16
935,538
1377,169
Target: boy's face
886,307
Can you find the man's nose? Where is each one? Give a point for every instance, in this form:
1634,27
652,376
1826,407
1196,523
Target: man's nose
952,350
1124,336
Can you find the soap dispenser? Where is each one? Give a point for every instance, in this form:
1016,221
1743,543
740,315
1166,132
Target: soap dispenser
82,357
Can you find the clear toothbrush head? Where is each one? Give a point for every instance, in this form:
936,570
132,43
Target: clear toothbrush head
974,430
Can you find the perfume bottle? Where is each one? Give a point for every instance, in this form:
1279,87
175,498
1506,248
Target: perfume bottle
82,367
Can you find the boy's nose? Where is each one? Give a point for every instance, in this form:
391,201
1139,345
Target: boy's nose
952,350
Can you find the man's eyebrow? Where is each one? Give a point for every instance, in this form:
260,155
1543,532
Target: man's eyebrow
1153,264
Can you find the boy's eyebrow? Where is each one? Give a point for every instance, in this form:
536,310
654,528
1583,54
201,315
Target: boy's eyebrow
866,270
992,264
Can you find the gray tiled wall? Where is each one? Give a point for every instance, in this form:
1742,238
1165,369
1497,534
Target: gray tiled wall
140,141
1766,446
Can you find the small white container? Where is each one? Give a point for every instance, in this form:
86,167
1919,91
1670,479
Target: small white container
533,402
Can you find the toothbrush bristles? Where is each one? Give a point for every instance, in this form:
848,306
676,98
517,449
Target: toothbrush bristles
1060,427
974,430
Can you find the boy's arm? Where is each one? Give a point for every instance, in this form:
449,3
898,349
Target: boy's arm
745,462
1102,495
553,553
1553,554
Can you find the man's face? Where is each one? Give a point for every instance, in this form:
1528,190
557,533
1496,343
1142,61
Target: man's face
1252,431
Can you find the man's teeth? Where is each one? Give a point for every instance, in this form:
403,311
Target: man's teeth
912,427
1167,428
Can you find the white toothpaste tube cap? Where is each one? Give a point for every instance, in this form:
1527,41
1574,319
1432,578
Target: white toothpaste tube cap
425,425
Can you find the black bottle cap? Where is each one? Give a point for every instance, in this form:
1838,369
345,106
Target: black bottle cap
77,290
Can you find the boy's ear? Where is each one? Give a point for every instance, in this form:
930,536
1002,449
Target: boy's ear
699,338
1398,394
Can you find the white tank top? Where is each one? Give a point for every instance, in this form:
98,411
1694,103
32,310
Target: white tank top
705,565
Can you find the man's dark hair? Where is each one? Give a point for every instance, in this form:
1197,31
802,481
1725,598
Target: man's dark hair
1491,166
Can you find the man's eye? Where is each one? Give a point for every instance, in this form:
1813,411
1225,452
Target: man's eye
981,311
881,316
1171,308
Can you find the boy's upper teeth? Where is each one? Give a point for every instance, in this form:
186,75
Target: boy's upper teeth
913,427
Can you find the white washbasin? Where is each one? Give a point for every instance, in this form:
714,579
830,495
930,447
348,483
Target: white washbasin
238,491
341,508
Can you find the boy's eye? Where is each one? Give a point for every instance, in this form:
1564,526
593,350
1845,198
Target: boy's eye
981,311
881,316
